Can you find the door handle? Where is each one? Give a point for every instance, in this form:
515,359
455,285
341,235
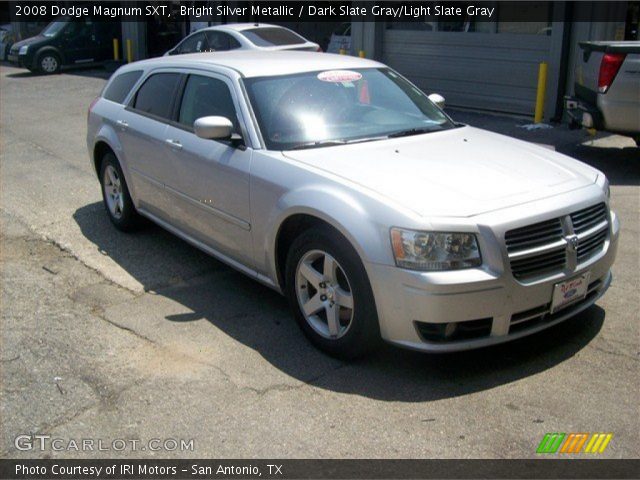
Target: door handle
174,143
122,124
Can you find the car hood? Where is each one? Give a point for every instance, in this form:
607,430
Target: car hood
30,41
457,173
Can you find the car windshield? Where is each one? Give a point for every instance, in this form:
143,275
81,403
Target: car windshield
54,28
315,109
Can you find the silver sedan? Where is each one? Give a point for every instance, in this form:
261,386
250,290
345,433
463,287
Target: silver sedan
340,184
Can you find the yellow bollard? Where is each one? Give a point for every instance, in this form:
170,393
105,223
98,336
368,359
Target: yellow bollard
343,51
361,54
542,89
116,50
129,51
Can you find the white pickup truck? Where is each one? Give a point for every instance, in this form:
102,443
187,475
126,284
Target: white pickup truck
607,88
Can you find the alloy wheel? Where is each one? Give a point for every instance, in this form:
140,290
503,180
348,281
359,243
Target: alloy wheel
324,294
113,191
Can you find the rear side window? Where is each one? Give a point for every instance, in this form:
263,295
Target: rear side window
120,87
220,42
272,37
206,96
155,96
195,43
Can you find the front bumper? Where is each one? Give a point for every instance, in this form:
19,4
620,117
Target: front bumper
502,307
22,61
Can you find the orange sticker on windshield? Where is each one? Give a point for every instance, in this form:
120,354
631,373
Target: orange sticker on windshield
339,76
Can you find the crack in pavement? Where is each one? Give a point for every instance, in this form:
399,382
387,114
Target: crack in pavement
48,428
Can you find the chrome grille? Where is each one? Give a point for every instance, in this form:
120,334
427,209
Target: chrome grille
591,245
592,224
534,235
588,218
525,246
550,246
537,264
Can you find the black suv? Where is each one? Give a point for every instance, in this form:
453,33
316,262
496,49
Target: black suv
64,42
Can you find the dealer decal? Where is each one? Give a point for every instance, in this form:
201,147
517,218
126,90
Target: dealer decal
339,76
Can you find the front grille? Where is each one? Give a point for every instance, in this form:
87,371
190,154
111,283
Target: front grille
553,260
591,245
588,218
534,235
542,248
593,223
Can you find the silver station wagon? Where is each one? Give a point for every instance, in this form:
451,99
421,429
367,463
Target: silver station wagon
338,183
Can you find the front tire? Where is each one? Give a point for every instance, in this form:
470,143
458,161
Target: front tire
115,195
330,295
49,63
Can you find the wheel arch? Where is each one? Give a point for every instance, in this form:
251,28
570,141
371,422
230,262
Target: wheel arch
50,49
100,149
106,141
337,215
292,226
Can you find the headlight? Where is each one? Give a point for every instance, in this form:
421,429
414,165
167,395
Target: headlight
434,250
23,50
607,188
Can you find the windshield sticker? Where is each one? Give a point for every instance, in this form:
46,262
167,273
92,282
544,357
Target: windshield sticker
339,76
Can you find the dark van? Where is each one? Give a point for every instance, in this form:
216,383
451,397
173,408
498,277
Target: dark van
66,41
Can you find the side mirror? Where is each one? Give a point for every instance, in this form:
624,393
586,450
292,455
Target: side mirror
437,99
213,128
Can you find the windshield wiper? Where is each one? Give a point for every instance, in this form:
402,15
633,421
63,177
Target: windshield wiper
411,131
316,144
368,139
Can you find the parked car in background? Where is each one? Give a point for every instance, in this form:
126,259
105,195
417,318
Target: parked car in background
336,181
243,36
607,88
6,40
67,41
340,39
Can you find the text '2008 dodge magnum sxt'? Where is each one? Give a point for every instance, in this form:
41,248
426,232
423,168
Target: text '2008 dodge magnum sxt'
337,182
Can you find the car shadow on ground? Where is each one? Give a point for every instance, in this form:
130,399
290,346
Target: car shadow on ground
259,318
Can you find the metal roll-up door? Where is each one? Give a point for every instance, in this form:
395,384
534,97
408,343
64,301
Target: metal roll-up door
487,71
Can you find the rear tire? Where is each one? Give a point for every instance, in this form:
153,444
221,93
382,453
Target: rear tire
330,295
115,195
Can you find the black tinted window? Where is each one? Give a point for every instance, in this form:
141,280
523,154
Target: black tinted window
195,43
156,94
206,96
269,37
79,30
220,42
120,87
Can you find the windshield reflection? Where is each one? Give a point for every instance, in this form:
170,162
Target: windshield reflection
315,109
